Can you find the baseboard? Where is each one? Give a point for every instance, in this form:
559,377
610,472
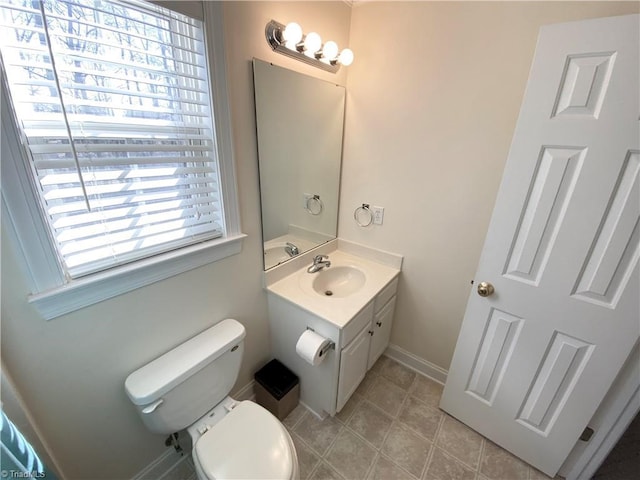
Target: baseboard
416,363
245,393
161,465
313,412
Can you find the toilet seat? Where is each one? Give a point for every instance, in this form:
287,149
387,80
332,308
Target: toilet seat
247,443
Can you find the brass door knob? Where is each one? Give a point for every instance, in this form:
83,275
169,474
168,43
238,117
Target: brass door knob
485,289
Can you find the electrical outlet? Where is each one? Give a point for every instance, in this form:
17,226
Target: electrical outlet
378,215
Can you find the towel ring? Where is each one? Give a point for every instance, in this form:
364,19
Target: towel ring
314,205
363,215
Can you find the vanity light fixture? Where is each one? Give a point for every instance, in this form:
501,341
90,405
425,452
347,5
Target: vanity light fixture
290,40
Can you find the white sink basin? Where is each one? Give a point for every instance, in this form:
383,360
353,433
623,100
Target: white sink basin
352,280
275,254
338,281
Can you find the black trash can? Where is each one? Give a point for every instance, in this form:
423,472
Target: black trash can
277,388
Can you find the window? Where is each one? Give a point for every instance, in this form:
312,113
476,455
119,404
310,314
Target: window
112,104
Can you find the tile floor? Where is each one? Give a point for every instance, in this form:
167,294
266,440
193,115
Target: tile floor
391,428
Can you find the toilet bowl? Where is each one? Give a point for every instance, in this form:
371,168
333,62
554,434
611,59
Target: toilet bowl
188,387
245,444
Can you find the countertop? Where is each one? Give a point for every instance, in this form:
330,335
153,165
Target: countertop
296,289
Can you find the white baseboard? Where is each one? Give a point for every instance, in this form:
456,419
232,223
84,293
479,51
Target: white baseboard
416,363
161,465
319,416
245,393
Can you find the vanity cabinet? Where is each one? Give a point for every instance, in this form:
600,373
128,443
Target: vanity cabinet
359,355
383,305
380,332
357,322
358,344
353,366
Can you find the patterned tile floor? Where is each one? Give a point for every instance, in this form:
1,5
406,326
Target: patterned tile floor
390,429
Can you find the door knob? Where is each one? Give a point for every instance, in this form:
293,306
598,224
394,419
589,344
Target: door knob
485,289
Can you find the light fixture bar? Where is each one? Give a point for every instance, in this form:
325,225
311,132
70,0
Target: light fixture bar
273,32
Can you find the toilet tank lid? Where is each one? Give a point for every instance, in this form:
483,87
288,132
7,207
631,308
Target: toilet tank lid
149,383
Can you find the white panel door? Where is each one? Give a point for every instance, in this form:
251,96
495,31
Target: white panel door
534,359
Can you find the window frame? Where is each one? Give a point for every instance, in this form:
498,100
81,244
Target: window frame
54,295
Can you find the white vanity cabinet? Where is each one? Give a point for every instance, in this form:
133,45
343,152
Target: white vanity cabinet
353,366
327,387
380,332
384,306
358,321
360,353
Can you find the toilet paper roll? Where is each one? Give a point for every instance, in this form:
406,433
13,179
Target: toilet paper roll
311,347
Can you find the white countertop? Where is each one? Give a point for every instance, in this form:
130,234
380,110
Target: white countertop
296,288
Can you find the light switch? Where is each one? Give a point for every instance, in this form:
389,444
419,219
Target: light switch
378,215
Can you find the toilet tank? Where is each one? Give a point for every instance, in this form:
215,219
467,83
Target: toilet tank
179,387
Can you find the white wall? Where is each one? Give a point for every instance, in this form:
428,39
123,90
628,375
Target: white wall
71,370
432,101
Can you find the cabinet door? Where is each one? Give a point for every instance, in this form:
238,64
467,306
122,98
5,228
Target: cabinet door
381,331
353,366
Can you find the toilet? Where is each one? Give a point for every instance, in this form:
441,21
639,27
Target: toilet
188,388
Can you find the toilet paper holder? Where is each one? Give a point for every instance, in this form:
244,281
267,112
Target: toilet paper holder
330,346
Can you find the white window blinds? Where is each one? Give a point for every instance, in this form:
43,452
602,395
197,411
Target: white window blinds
112,100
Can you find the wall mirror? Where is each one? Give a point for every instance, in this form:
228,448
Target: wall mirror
299,126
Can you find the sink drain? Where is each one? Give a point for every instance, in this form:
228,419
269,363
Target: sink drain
328,293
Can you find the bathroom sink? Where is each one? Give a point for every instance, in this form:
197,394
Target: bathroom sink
275,254
338,281
338,292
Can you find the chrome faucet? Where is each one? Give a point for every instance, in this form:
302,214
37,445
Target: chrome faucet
319,262
291,249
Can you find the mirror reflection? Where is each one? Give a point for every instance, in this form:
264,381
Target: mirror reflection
299,127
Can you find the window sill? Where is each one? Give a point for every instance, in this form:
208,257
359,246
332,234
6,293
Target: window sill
92,289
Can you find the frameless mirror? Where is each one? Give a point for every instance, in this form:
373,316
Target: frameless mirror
299,127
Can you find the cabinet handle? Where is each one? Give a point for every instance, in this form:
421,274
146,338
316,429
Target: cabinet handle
371,332
379,324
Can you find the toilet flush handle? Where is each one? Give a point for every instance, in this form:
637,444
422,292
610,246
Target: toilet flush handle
153,406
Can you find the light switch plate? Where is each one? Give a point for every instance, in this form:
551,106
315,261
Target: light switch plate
378,215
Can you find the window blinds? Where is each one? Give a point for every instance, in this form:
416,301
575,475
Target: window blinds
112,100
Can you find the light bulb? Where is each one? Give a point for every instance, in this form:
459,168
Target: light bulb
292,33
312,44
346,57
330,51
